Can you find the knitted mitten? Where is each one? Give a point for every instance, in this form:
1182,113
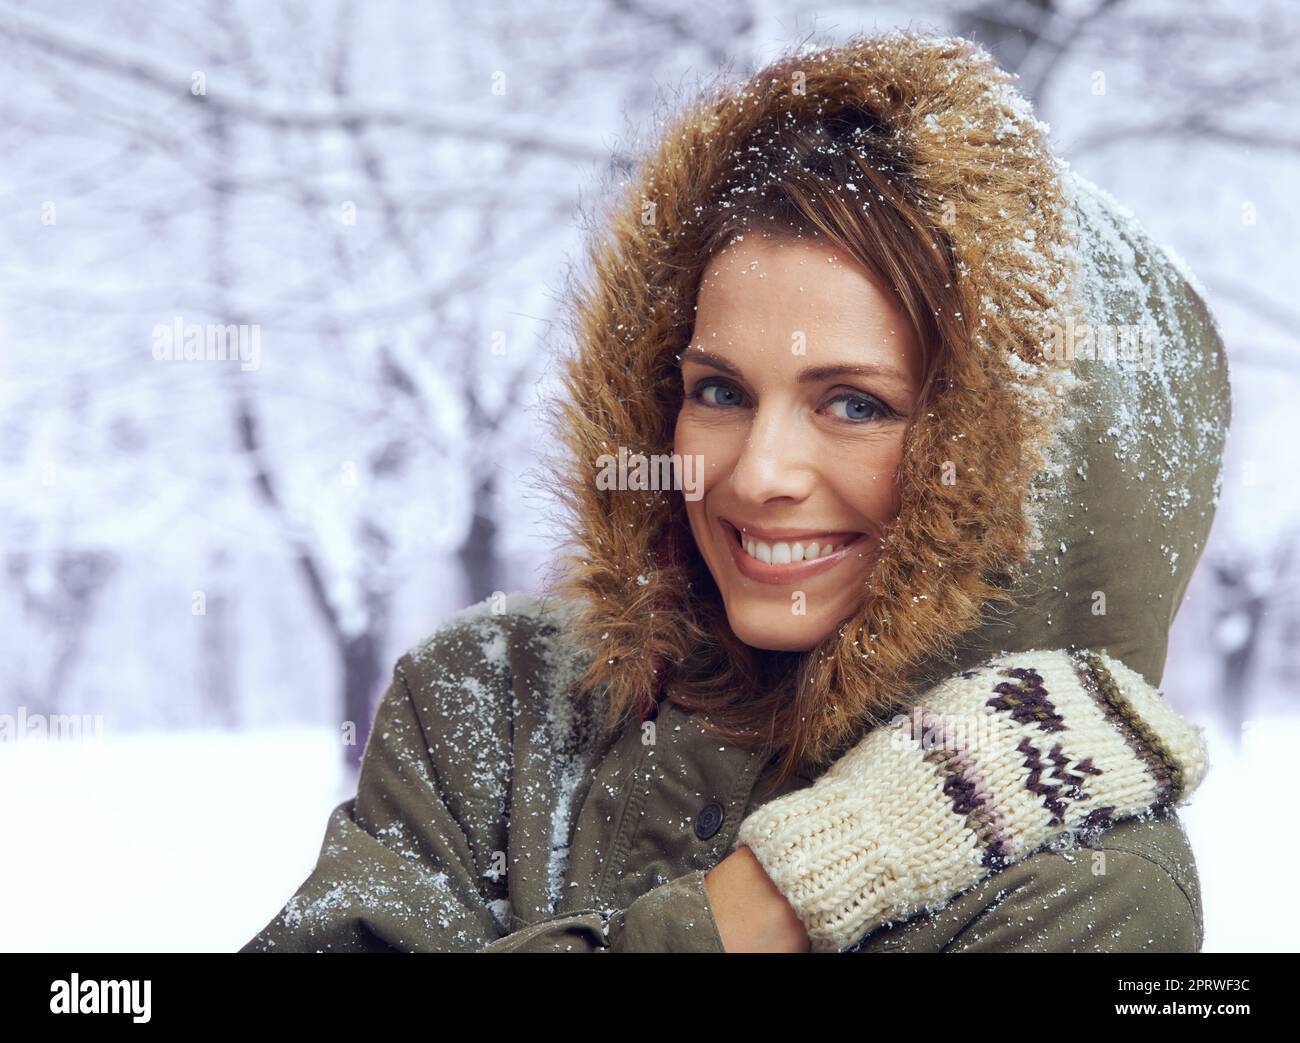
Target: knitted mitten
991,765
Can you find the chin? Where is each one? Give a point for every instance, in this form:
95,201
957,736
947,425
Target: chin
775,629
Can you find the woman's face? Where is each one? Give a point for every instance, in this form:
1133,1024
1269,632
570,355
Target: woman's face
799,380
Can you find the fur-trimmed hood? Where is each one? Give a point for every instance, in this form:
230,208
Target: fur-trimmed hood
1085,487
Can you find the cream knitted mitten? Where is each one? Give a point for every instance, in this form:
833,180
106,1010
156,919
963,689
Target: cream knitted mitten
989,766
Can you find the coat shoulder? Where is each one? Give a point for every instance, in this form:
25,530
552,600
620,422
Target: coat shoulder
1133,888
480,653
500,662
482,634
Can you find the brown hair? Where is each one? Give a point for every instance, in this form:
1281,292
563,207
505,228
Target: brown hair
794,181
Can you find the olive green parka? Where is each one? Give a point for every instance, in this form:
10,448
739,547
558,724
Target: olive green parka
496,809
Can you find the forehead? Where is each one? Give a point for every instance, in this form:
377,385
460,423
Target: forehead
793,302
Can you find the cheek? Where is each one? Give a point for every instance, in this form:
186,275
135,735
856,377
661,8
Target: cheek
687,436
714,446
887,481
681,433
877,497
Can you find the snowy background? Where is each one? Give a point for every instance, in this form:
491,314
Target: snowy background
223,561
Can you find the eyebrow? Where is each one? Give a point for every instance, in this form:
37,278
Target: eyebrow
811,375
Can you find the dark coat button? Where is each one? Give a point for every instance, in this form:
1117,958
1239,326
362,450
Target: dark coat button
708,821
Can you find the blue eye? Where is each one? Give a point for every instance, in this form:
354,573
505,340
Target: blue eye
717,393
857,407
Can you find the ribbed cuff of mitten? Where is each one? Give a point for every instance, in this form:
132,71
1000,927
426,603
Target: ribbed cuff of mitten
989,766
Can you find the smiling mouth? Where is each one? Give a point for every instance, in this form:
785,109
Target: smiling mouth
806,549
782,552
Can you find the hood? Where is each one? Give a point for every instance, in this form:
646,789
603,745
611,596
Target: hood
1085,484
1133,474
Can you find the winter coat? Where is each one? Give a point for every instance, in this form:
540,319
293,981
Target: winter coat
498,810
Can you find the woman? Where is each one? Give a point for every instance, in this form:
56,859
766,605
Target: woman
882,656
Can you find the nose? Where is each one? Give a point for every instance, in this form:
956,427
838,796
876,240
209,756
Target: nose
777,460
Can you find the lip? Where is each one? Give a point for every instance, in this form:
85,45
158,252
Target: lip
762,572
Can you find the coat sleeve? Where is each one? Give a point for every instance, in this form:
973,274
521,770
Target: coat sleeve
1120,902
395,873
673,917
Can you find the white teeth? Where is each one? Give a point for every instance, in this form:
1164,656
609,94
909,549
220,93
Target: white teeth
786,553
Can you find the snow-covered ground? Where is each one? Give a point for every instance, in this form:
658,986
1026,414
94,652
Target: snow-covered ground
1243,834
191,841
160,841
